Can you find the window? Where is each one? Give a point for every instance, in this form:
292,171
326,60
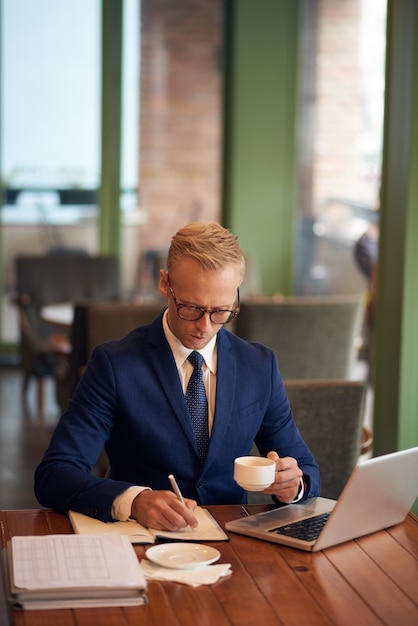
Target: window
50,144
341,130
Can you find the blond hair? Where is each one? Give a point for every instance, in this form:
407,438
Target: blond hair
211,245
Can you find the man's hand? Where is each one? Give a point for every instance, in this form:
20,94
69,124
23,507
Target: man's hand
287,478
162,510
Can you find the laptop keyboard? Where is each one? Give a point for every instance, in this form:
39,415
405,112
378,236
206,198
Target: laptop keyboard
306,529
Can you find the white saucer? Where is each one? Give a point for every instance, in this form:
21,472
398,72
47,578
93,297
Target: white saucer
182,555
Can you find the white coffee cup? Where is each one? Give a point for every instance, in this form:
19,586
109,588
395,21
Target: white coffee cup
254,473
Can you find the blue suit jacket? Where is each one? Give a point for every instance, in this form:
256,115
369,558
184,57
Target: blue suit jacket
131,402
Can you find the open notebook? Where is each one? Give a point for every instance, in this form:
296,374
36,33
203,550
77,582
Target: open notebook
207,530
379,494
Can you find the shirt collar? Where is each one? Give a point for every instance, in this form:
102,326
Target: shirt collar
181,353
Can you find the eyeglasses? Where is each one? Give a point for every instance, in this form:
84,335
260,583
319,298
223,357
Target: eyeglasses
194,313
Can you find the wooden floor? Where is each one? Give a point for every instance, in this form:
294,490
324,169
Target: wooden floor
24,436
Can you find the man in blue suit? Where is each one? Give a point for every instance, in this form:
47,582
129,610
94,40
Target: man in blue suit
131,401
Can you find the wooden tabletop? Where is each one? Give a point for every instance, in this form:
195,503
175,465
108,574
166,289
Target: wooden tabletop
373,580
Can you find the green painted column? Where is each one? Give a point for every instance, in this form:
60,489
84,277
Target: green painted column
408,427
260,164
396,378
109,223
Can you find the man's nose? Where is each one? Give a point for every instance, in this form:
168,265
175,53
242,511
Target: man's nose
204,322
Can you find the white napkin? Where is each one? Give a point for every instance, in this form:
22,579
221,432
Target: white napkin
206,575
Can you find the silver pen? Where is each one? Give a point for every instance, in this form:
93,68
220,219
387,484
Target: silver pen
175,488
177,491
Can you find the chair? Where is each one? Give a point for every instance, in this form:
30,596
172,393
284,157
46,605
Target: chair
47,279
313,337
95,323
329,415
37,358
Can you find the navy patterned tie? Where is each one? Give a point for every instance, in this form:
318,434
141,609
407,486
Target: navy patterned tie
198,404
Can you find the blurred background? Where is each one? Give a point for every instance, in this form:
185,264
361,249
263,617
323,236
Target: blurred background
291,122
175,64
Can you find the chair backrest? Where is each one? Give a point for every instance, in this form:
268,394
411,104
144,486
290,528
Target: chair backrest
54,278
113,320
95,323
329,415
313,337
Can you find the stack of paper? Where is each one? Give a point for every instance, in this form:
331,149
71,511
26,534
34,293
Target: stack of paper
69,571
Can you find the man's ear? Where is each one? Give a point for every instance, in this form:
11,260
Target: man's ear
163,284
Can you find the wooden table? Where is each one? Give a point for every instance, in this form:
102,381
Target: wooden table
373,580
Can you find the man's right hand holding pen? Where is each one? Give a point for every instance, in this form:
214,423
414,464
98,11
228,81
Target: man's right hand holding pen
163,510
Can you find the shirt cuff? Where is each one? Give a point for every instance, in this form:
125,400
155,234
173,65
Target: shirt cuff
122,504
300,492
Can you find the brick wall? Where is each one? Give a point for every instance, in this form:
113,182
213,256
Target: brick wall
338,100
180,115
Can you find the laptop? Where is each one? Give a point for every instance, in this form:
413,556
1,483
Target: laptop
379,494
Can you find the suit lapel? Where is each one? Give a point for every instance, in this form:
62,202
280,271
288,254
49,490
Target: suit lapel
164,365
225,382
